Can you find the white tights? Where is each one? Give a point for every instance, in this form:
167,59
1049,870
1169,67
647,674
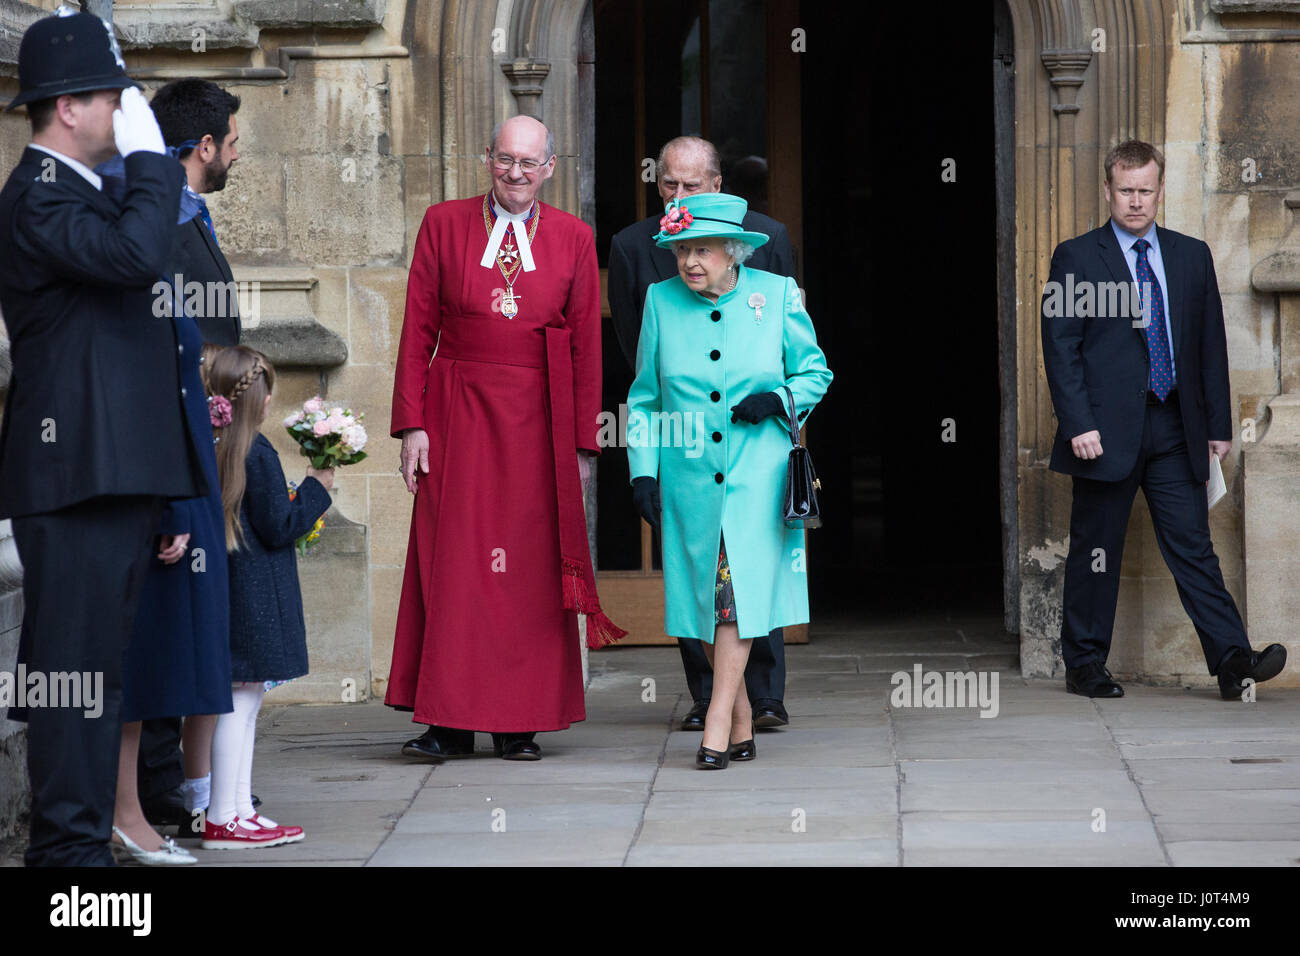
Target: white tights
232,756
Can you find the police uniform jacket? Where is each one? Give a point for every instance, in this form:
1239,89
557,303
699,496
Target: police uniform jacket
94,404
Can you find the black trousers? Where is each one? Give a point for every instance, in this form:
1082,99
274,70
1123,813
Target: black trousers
1180,513
160,767
764,673
82,571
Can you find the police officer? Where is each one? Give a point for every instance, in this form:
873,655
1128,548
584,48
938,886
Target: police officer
93,438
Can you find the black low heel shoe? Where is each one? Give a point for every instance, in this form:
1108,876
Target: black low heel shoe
706,759
745,750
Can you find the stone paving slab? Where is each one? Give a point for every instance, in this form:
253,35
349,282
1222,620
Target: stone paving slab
1235,853
792,852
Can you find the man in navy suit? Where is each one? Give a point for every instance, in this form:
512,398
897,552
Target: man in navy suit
1136,358
689,165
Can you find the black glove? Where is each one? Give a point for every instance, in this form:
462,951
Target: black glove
645,495
757,407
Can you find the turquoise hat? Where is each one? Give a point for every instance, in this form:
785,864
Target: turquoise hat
706,216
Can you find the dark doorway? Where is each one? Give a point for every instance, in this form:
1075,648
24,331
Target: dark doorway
900,275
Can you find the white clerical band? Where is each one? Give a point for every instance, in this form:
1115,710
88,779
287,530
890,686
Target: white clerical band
499,234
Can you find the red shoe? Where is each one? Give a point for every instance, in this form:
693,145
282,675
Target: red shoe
231,836
292,834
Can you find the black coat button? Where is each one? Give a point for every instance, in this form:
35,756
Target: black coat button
715,355
715,315
715,396
718,477
717,436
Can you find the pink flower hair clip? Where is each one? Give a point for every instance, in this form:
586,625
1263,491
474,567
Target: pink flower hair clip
219,411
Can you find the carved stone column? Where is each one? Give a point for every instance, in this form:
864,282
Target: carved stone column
1271,465
526,79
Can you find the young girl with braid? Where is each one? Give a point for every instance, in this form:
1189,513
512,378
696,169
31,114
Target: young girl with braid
268,638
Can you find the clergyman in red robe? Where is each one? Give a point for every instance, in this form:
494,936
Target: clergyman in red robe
496,398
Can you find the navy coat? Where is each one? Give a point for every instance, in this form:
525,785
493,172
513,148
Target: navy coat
268,637
177,662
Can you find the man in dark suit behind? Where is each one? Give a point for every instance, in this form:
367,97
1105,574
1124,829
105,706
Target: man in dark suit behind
94,438
197,119
1136,358
689,165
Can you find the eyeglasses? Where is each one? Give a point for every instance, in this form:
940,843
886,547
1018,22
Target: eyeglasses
526,166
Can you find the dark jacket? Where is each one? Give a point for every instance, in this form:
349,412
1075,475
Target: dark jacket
196,257
1098,368
268,637
635,262
94,404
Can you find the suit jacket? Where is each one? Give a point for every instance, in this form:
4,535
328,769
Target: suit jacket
196,257
94,404
1098,368
635,262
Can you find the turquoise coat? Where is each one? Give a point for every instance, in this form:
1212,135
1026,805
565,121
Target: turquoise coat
695,360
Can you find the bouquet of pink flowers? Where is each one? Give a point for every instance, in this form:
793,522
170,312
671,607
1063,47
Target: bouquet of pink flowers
330,437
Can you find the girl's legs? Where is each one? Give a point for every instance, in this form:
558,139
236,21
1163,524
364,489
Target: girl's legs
244,793
196,744
729,716
128,816
234,733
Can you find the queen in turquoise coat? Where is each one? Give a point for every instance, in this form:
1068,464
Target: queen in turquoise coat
707,422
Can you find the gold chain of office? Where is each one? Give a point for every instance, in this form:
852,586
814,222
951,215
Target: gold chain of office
508,273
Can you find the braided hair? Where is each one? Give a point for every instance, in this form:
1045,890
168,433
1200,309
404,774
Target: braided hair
246,378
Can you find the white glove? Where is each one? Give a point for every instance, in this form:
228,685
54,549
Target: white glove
134,127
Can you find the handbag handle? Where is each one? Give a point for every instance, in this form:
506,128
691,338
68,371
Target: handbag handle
791,421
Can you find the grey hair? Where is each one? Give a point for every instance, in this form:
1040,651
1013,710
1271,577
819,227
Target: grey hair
712,161
738,250
550,139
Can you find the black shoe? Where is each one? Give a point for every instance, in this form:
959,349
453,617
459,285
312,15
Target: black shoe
769,714
706,759
745,750
168,810
257,801
1092,680
516,747
695,719
1259,666
441,743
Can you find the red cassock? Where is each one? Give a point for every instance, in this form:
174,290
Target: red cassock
484,639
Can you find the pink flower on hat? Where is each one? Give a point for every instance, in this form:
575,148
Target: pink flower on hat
675,220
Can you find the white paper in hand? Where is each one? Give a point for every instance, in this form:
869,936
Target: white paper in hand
1217,487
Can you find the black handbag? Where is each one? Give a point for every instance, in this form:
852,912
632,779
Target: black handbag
802,509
